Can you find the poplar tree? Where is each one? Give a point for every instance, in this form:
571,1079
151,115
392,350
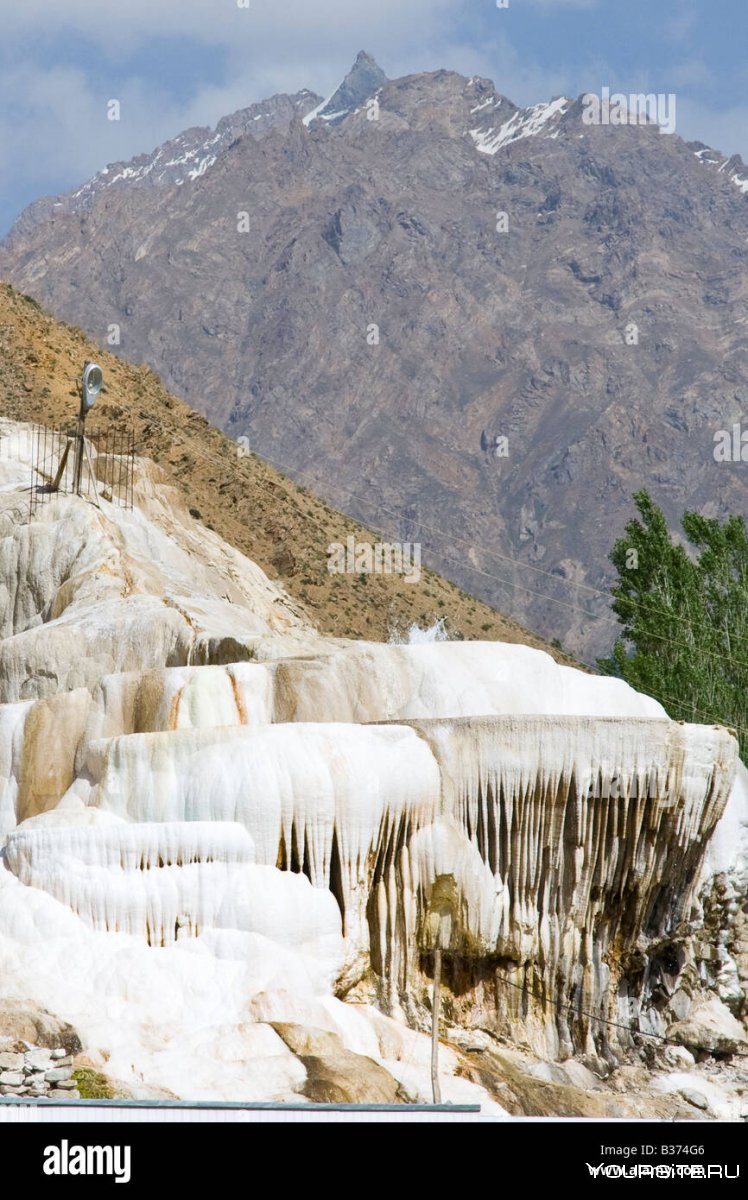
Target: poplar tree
683,610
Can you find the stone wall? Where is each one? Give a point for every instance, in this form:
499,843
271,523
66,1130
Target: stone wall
36,1072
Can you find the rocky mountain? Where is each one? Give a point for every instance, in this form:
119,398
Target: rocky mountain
474,326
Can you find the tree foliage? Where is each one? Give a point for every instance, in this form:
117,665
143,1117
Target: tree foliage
684,616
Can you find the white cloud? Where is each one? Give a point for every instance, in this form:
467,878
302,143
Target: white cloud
123,25
516,76
724,131
690,73
679,28
62,127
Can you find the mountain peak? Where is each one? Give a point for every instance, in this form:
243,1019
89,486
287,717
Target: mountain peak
364,60
362,81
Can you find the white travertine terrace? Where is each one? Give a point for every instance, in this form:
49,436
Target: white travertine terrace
195,847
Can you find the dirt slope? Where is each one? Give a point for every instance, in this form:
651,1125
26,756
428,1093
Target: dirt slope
278,524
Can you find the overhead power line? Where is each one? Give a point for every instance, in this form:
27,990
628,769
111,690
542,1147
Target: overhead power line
579,1012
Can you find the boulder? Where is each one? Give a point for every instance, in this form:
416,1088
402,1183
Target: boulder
38,1059
57,1074
12,1078
24,1020
710,1026
336,1075
697,1099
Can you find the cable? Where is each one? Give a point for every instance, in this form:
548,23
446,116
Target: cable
528,566
214,458
284,468
607,617
700,712
606,1020
593,616
515,562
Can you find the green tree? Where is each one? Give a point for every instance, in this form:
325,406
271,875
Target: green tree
684,615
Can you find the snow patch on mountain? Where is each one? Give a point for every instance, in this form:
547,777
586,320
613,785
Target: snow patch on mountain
524,123
734,168
316,112
191,154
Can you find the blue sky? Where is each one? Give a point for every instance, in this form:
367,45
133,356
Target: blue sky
176,63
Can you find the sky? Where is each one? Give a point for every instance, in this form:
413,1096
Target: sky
173,64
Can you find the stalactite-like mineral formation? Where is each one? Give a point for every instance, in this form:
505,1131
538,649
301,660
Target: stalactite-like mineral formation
193,849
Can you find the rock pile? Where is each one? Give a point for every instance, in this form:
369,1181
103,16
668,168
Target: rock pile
37,1072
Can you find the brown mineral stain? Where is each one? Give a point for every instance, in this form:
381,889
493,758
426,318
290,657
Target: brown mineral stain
238,700
54,728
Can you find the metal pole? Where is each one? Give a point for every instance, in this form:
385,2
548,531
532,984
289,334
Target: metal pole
91,476
63,464
435,1005
31,482
78,456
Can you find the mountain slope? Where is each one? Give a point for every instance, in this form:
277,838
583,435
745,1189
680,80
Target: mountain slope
281,526
343,293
